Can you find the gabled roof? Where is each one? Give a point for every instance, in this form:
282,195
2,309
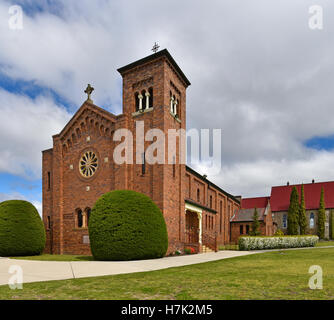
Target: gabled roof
245,215
90,106
251,203
280,195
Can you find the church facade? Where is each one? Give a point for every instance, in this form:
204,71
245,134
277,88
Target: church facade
80,166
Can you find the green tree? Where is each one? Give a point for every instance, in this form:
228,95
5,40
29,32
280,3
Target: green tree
22,231
321,215
255,228
293,212
302,213
332,224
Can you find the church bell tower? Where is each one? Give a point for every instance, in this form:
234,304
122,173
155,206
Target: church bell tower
154,97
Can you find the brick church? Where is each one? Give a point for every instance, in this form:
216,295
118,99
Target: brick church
80,166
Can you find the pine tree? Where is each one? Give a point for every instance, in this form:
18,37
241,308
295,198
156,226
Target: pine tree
332,224
321,215
255,229
293,212
302,213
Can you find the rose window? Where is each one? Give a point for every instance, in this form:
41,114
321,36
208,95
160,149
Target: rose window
88,164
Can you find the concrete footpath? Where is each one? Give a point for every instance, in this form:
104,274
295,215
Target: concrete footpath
36,271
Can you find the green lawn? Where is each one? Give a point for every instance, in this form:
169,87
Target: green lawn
56,257
325,243
272,275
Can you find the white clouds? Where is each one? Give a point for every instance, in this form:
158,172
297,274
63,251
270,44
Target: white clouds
257,177
26,129
264,78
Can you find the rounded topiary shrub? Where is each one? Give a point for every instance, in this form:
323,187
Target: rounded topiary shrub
21,229
127,225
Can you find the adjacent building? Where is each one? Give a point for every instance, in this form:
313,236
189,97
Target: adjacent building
241,222
273,210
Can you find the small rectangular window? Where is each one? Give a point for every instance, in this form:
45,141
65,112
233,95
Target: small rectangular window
247,229
143,167
285,221
241,229
221,217
48,223
49,180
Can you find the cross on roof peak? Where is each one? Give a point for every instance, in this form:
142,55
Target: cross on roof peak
155,48
89,91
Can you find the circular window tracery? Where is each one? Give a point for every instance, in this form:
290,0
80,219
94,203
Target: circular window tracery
88,164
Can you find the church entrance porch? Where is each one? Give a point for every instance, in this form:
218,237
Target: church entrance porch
203,241
193,230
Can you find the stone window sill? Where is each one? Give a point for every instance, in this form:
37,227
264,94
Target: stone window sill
138,113
175,117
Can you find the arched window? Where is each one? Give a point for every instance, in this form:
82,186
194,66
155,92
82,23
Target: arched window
88,210
142,97
171,102
285,221
198,196
174,106
150,91
312,220
176,109
137,101
79,218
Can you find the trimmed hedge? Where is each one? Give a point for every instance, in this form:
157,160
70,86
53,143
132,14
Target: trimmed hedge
127,225
21,229
260,243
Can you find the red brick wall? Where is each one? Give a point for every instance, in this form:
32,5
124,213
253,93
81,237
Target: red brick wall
224,211
235,230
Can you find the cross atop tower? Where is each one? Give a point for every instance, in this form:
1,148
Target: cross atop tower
155,48
89,91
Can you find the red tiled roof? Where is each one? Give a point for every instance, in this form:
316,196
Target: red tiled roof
251,203
280,196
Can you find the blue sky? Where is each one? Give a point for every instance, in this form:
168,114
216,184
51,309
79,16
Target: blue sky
271,98
321,143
